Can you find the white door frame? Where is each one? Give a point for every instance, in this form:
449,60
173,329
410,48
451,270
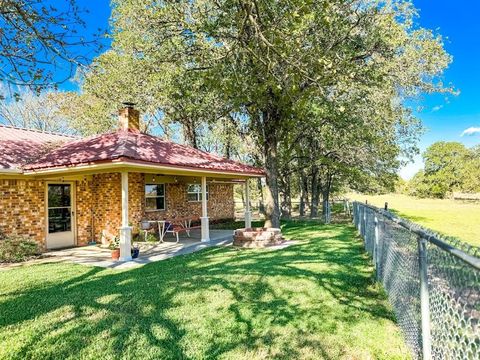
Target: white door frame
73,214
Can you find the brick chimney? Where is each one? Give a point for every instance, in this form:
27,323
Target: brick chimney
128,117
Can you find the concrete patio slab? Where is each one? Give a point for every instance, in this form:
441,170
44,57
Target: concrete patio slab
149,252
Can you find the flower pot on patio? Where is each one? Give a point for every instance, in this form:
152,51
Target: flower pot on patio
115,247
135,252
116,254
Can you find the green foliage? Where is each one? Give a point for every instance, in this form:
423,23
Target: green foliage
470,171
151,237
319,86
449,167
315,299
86,113
401,186
17,249
114,244
418,186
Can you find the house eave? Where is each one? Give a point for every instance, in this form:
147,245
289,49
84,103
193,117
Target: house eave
10,171
136,166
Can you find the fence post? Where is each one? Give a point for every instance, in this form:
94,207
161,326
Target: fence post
355,210
375,245
354,217
364,222
424,299
361,213
380,246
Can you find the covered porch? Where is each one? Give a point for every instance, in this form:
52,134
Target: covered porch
103,188
101,206
186,233
126,227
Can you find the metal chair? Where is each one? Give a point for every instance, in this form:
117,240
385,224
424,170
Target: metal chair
145,226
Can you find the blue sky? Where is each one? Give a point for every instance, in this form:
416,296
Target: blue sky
445,119
97,16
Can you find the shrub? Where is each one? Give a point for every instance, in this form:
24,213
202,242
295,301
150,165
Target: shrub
151,238
17,248
140,237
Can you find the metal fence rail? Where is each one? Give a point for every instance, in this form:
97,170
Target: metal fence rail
433,286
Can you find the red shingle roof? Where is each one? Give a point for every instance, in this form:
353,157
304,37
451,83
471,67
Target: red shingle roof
20,146
137,147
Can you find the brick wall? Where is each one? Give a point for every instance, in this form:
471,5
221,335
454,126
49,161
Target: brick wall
98,206
84,210
107,190
22,208
220,202
106,202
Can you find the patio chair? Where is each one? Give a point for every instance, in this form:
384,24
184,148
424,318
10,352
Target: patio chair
146,226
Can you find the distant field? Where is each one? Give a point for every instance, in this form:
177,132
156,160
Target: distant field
449,217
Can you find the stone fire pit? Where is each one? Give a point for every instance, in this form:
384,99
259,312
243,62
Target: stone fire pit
257,237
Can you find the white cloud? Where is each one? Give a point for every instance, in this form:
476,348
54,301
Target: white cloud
471,131
437,108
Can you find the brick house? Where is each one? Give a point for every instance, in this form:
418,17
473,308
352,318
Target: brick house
65,191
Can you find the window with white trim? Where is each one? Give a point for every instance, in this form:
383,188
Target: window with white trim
194,192
154,197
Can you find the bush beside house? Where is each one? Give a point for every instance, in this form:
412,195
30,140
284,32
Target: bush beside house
17,248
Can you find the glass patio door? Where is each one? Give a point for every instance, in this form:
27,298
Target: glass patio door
60,226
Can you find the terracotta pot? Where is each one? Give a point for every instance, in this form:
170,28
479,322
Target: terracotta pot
116,254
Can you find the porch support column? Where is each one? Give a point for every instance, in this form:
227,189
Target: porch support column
125,230
204,218
248,213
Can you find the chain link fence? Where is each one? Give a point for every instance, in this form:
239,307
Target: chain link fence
432,282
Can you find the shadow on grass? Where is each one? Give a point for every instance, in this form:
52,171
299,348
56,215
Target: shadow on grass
204,305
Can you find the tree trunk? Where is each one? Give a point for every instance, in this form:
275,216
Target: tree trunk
326,205
286,200
303,193
261,203
190,133
272,208
227,149
315,195
325,189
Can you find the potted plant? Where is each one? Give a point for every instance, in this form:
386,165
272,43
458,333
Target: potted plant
115,248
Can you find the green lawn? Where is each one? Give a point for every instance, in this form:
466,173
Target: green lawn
313,300
450,217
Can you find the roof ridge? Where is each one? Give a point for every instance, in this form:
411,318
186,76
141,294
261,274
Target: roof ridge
123,135
40,131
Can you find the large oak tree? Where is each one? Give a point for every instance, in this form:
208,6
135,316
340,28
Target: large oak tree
281,67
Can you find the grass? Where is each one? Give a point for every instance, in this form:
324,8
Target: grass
313,300
450,217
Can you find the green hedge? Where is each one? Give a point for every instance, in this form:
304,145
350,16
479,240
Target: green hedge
17,249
